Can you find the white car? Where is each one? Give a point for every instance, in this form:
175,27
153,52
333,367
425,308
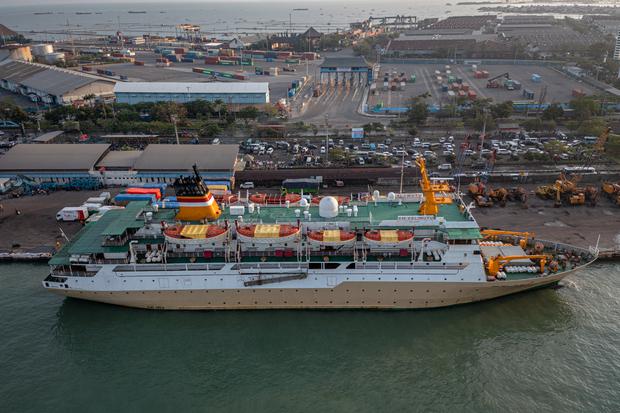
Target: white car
469,152
269,151
445,167
442,139
447,153
247,185
322,149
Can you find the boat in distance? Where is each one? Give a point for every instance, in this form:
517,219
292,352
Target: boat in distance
394,251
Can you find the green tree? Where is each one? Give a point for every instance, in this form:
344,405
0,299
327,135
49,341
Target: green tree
501,110
553,112
165,111
417,111
584,107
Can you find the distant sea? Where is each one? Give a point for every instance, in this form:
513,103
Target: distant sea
550,350
217,18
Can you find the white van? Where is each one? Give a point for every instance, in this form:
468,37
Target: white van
445,167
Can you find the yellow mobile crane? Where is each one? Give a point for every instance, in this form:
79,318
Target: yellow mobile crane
566,188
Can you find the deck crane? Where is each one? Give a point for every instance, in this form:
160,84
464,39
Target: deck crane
496,264
492,82
494,233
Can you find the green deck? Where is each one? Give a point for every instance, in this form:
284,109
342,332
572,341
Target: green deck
370,214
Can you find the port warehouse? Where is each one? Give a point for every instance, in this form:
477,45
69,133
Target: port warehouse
52,85
247,93
157,163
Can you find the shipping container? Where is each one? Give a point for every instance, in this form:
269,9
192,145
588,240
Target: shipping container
516,84
462,94
292,61
138,63
143,190
444,87
465,87
472,95
528,94
412,78
485,74
87,68
124,199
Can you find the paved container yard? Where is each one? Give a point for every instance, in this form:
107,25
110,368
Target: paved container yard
559,86
182,72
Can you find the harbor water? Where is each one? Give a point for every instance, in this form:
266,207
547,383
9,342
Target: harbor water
545,350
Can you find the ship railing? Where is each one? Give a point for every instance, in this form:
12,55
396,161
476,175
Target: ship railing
270,266
169,267
412,265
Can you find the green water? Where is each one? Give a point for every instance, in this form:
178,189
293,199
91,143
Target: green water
547,350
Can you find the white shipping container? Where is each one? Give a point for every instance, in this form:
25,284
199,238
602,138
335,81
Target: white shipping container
92,207
95,200
72,214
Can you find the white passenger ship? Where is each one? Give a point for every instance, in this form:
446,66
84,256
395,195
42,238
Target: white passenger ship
397,251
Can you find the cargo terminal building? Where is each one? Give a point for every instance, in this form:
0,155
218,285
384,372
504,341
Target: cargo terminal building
65,163
235,93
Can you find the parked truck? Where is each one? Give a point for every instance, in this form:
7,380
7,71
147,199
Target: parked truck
72,214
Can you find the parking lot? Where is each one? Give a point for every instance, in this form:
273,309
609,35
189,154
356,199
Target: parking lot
558,86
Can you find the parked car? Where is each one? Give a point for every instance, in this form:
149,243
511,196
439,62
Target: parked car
247,185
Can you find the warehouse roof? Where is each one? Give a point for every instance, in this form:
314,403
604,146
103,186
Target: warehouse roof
56,82
6,32
18,71
182,157
119,159
48,79
52,157
357,61
194,87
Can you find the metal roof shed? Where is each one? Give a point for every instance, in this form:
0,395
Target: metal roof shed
52,157
182,157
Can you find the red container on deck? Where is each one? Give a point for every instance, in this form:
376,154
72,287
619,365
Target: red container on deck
212,60
153,191
284,55
179,50
465,87
87,68
472,95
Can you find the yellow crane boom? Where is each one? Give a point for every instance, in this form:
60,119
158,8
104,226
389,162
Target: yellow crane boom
493,233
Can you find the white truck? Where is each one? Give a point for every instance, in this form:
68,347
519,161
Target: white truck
72,214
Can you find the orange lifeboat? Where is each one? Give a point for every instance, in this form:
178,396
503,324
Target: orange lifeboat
342,200
271,199
195,234
267,233
226,198
386,237
331,237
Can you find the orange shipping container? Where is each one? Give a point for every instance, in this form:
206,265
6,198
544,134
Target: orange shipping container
153,191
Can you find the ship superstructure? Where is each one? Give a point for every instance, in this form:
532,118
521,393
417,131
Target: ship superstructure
368,251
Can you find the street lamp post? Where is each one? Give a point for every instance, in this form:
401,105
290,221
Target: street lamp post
173,118
326,138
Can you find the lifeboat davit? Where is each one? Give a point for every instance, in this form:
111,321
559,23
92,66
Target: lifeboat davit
195,234
331,237
271,199
267,233
388,237
342,200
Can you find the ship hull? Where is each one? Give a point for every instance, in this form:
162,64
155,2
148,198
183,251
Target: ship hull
347,295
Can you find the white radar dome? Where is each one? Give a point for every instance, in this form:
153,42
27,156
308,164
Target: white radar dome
328,207
303,202
391,196
375,195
